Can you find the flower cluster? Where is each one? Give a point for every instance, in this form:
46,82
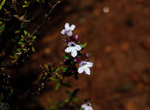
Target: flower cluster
74,47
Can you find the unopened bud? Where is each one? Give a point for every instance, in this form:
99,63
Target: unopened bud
86,55
76,37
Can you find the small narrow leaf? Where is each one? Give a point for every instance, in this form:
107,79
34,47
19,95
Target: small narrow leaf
34,37
57,86
11,92
33,49
25,32
64,69
20,43
66,57
83,45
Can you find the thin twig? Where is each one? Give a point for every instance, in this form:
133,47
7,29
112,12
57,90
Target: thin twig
36,30
46,19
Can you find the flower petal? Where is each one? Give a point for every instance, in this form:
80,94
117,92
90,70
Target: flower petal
63,31
68,49
81,63
83,106
78,47
72,27
71,43
80,70
67,26
74,53
69,33
87,71
89,64
88,108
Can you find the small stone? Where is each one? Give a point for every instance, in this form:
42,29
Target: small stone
125,46
146,43
108,49
105,9
47,51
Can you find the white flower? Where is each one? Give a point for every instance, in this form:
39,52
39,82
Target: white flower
84,67
73,48
68,29
87,106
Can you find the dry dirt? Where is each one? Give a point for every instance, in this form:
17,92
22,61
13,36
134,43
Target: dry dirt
118,37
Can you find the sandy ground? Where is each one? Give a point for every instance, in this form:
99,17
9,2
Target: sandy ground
118,37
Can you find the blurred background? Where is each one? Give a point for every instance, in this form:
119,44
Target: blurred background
117,34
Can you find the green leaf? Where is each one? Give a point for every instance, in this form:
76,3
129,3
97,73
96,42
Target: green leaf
33,49
13,40
57,70
54,79
25,32
19,50
2,4
64,69
11,92
67,100
75,99
34,37
57,86
2,27
50,101
24,6
66,57
71,95
22,25
62,104
83,45
68,92
1,96
25,2
22,36
21,43
17,31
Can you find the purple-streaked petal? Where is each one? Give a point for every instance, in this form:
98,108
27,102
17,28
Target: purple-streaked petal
63,31
89,64
82,62
68,49
87,71
72,27
67,26
74,53
80,70
78,47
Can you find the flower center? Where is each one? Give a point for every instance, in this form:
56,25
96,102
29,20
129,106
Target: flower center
71,44
68,30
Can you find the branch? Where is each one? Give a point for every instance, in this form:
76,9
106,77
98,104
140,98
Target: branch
46,19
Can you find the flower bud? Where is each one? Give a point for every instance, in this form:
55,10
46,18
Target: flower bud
76,37
67,62
77,60
86,55
66,40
